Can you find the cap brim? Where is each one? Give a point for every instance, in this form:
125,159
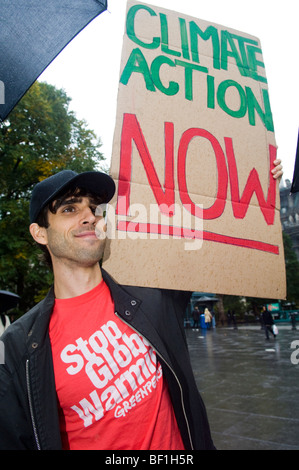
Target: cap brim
94,182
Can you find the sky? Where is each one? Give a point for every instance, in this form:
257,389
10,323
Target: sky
88,68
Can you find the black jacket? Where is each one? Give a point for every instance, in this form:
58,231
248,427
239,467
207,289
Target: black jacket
267,318
28,402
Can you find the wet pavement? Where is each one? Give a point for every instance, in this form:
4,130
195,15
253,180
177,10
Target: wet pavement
249,385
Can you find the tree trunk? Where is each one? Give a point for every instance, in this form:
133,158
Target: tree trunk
221,309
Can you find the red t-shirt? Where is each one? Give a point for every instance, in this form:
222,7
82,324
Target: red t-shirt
109,384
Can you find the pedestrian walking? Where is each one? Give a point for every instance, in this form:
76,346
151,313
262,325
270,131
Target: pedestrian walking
293,320
208,318
195,316
234,320
268,322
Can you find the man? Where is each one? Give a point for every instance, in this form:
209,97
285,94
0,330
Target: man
195,315
268,322
95,365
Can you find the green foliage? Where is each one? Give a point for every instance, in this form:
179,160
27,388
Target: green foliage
292,270
241,305
40,137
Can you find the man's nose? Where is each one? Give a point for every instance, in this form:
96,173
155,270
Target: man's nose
88,216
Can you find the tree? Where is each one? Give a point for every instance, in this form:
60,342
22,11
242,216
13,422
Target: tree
40,137
292,270
241,304
292,278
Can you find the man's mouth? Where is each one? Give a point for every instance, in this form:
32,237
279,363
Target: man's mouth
86,234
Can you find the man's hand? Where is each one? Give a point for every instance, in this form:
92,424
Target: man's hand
277,172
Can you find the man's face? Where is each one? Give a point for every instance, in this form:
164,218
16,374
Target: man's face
71,236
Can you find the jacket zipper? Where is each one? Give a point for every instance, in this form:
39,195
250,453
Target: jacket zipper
31,407
171,369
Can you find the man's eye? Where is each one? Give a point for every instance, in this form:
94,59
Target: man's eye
68,209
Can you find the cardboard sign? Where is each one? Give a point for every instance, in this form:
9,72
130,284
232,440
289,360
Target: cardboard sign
196,207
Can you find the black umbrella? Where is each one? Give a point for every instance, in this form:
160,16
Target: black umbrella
295,183
32,34
205,299
8,300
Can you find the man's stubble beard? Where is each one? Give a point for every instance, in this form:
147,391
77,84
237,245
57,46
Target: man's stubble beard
75,255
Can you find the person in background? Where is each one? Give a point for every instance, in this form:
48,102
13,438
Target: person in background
208,318
195,315
268,322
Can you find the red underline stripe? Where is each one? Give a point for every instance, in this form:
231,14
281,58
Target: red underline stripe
182,232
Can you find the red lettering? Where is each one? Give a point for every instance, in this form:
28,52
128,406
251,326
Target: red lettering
217,208
240,204
131,131
165,195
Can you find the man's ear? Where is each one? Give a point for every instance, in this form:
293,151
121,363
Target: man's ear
39,234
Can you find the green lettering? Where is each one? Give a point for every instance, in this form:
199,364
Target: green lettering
137,63
164,37
253,105
189,76
210,92
239,113
184,39
173,87
227,39
130,25
254,63
241,42
210,32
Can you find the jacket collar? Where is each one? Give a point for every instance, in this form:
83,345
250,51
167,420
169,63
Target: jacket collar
125,305
41,313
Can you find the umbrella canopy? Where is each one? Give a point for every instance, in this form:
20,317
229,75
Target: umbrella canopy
8,300
32,34
295,183
205,299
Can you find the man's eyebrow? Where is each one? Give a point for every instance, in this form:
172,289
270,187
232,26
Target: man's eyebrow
74,199
71,200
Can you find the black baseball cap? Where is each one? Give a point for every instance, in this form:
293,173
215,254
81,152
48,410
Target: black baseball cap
46,191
